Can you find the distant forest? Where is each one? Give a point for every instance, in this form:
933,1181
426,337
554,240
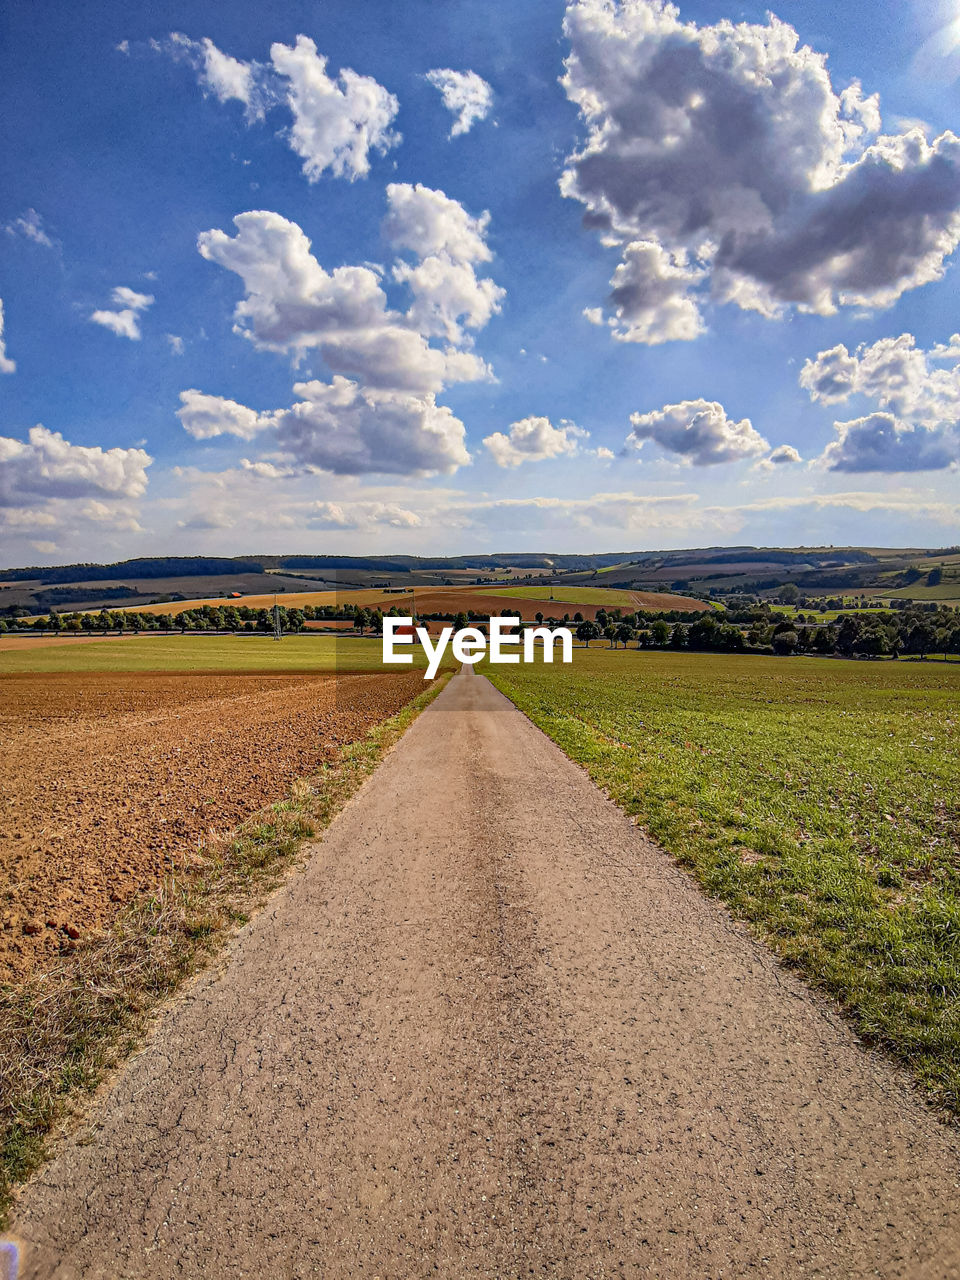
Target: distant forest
146,567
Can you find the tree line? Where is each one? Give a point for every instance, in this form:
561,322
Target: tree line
926,629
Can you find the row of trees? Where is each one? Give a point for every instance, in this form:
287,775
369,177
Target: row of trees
887,635
875,634
204,618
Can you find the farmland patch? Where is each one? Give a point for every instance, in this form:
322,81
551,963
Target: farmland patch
112,782
211,652
820,799
606,598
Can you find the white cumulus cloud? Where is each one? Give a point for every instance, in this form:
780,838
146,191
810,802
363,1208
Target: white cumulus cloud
745,177
534,440
698,431
429,222
784,455
124,322
336,124
896,373
917,393
205,416
350,430
650,299
228,77
47,466
291,302
379,412
882,442
448,241
465,94
336,121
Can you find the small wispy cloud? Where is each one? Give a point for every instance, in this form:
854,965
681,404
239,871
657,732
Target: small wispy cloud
30,226
125,321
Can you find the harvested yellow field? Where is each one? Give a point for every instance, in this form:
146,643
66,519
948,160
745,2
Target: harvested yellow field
373,597
430,599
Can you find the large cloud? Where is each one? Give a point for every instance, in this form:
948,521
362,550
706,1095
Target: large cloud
728,149
336,121
918,394
699,432
293,304
533,440
125,322
465,94
6,364
47,466
379,413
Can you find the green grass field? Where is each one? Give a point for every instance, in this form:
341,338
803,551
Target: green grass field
208,653
819,798
608,596
824,615
945,593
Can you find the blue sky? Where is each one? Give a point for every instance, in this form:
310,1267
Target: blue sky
771,365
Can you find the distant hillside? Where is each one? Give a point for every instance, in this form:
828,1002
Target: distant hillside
706,572
147,567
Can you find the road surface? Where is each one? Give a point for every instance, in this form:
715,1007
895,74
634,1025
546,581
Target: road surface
491,1031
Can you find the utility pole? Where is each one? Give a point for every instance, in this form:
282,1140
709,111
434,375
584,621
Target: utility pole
277,629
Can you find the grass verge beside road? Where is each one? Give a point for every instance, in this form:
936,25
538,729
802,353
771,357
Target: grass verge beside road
819,799
61,1030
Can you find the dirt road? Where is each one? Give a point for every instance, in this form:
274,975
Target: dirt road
491,1031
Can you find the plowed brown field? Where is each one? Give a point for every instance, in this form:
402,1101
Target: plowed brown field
107,782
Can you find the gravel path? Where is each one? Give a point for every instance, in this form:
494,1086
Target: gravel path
492,1031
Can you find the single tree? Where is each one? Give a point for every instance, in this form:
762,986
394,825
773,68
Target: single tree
587,631
624,633
785,642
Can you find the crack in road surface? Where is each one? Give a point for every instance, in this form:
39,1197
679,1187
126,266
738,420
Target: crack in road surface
492,1031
